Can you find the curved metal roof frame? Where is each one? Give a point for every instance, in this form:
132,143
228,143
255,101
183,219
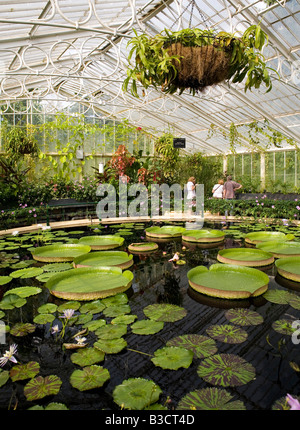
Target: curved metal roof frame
76,51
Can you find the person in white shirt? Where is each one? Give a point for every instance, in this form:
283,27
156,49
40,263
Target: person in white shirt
191,193
218,189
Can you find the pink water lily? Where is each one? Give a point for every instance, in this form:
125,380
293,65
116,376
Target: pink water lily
175,257
9,355
294,403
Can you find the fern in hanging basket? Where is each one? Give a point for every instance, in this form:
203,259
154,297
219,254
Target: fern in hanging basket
194,59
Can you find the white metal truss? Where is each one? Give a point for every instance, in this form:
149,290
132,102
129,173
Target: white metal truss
76,51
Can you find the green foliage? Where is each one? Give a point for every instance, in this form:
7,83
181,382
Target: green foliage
154,65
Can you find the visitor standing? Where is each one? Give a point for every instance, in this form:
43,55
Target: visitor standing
218,189
229,188
191,193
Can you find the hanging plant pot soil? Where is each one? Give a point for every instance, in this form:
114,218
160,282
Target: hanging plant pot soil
200,66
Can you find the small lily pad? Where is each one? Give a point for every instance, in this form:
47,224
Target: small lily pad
72,304
39,387
145,327
165,312
136,393
12,301
283,326
89,377
22,329
280,297
24,291
24,371
111,346
5,280
173,357
29,272
116,310
111,331
202,346
44,318
227,333
87,357
118,299
4,377
124,319
94,325
94,307
211,398
227,370
47,308
244,317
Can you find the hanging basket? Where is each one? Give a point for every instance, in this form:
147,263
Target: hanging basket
200,66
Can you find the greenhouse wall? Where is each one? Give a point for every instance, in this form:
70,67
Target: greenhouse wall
272,171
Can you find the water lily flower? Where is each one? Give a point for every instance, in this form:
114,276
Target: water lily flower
175,257
15,233
68,313
80,340
55,329
9,355
294,403
46,227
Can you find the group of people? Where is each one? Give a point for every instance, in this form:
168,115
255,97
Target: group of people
225,190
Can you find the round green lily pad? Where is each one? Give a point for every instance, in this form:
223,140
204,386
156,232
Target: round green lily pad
245,257
173,357
104,242
280,249
111,331
228,281
22,329
280,297
202,346
211,398
43,318
88,283
118,299
227,370
57,267
142,247
244,317
203,236
145,327
59,253
165,232
227,333
136,393
89,377
262,236
39,387
116,310
164,312
11,301
283,326
47,308
111,346
105,259
289,268
29,272
87,357
5,280
94,307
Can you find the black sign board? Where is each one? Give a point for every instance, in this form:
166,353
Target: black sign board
179,142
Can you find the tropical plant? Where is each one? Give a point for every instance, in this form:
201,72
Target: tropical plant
169,60
19,141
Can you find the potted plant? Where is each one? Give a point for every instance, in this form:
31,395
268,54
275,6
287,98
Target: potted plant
19,141
194,59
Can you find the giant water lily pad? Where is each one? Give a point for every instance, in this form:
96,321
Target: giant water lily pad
142,247
227,333
173,357
263,236
228,281
227,370
203,236
280,249
88,283
105,259
59,253
211,398
245,257
136,393
165,232
104,242
202,346
244,317
24,371
289,268
89,377
164,312
39,387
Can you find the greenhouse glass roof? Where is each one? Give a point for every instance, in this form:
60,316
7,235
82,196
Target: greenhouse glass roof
76,51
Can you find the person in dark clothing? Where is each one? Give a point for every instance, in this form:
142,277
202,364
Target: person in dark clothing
229,189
